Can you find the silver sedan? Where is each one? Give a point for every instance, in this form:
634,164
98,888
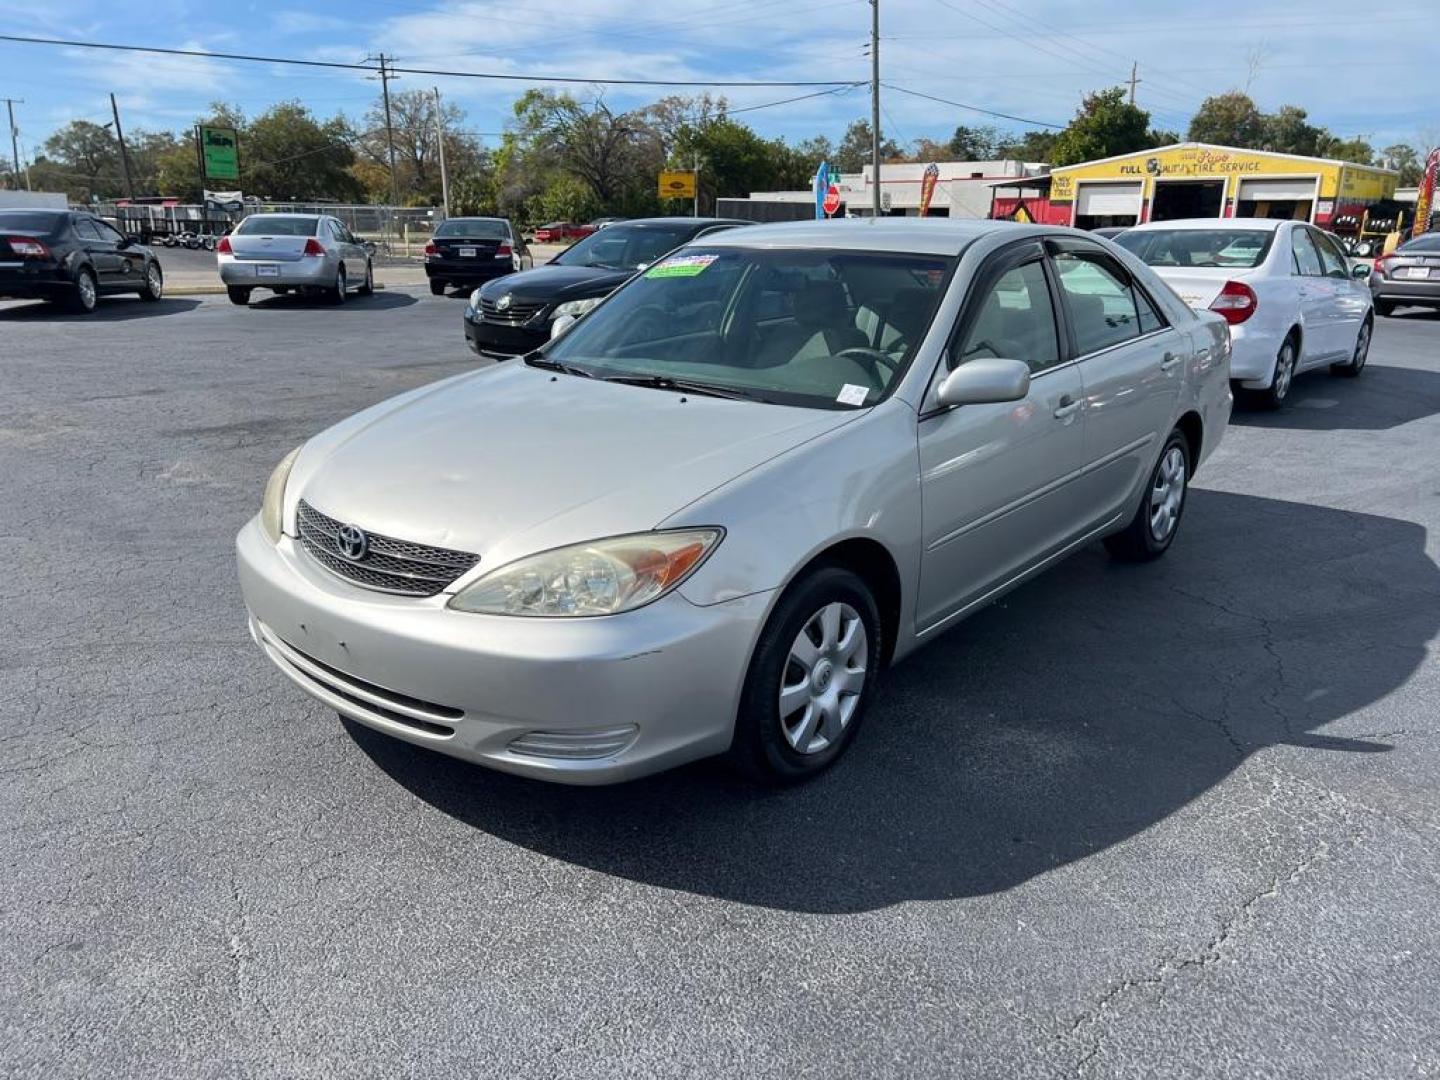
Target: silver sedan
312,253
773,463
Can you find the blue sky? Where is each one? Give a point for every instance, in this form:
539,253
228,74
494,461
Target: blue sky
1359,72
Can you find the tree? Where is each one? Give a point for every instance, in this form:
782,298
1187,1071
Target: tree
1405,160
82,159
1229,119
417,147
734,161
1032,146
1356,149
974,143
1106,125
1288,131
853,153
286,154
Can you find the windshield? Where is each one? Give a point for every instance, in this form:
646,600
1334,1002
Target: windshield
475,228
625,247
1209,248
1430,242
277,225
29,221
824,329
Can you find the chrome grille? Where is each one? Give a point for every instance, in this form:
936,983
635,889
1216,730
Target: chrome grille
519,311
389,565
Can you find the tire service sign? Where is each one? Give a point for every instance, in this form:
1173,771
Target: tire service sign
220,150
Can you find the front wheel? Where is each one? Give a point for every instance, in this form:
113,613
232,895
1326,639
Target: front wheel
810,679
1152,530
1359,356
238,294
154,287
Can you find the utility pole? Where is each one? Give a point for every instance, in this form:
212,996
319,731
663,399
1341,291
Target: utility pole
385,77
10,104
1134,78
875,107
695,210
440,142
124,154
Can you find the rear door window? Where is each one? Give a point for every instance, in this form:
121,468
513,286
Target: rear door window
1306,258
1104,306
1330,257
86,230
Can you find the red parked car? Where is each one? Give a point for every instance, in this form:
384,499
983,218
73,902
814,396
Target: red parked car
557,232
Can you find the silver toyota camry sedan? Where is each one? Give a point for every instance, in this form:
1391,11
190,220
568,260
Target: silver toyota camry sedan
707,517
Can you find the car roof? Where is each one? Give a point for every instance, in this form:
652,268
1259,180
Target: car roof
1255,224
931,236
286,213
671,222
38,210
472,217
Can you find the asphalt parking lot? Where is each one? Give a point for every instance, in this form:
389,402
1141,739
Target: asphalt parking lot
1175,820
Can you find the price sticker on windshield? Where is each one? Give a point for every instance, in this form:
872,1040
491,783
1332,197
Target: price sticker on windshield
850,394
681,266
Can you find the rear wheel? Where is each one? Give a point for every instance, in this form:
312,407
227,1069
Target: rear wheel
154,287
1152,530
810,679
238,294
1359,356
86,295
1384,308
1274,395
437,288
337,291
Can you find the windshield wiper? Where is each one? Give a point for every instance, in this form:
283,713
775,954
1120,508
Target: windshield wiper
536,358
684,386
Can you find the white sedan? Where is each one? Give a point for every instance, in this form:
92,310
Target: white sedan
1285,288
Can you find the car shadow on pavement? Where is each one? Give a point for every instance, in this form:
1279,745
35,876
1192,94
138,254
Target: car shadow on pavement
110,309
380,300
1073,715
1382,397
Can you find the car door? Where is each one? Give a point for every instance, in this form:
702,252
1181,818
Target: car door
1347,303
103,256
129,263
996,479
1132,363
1316,295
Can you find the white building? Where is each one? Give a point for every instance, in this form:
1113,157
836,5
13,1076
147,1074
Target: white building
962,189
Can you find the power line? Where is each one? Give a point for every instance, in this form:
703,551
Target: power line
337,65
974,108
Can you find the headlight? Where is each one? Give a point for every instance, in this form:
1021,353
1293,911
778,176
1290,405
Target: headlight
475,299
577,307
600,578
273,504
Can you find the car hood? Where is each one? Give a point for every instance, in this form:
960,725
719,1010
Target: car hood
555,283
513,459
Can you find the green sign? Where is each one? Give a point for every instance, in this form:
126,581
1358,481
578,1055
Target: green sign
220,148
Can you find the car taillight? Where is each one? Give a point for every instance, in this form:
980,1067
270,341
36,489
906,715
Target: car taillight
1236,302
223,246
1381,262
503,250
313,247
28,247
431,249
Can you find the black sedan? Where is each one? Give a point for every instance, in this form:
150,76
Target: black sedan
514,314
73,258
468,251
1408,275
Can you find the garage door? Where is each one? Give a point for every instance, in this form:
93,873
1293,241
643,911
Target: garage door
1106,200
1299,189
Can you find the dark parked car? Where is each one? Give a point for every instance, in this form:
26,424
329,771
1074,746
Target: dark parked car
469,251
514,315
1408,275
72,258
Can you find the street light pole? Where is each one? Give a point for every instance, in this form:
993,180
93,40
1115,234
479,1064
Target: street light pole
10,104
440,141
875,107
124,154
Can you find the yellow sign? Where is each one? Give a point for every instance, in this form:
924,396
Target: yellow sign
677,185
1022,215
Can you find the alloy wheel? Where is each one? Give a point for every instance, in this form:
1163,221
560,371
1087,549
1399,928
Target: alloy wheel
1167,494
824,678
1362,348
86,284
153,281
1284,371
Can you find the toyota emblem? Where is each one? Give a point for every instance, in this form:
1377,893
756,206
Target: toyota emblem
352,543
503,304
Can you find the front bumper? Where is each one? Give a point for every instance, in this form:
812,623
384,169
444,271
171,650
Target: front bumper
503,339
640,692
308,273
1420,293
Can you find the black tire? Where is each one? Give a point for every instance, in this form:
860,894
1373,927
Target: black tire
336,293
86,295
281,290
1362,352
367,287
239,294
1384,308
1278,392
154,287
1138,541
437,288
760,748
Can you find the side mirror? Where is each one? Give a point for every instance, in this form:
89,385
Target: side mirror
981,382
370,247
1360,270
131,240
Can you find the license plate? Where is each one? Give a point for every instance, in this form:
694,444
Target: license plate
267,270
1414,272
467,253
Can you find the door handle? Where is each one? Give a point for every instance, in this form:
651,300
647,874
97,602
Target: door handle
1168,361
1068,407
